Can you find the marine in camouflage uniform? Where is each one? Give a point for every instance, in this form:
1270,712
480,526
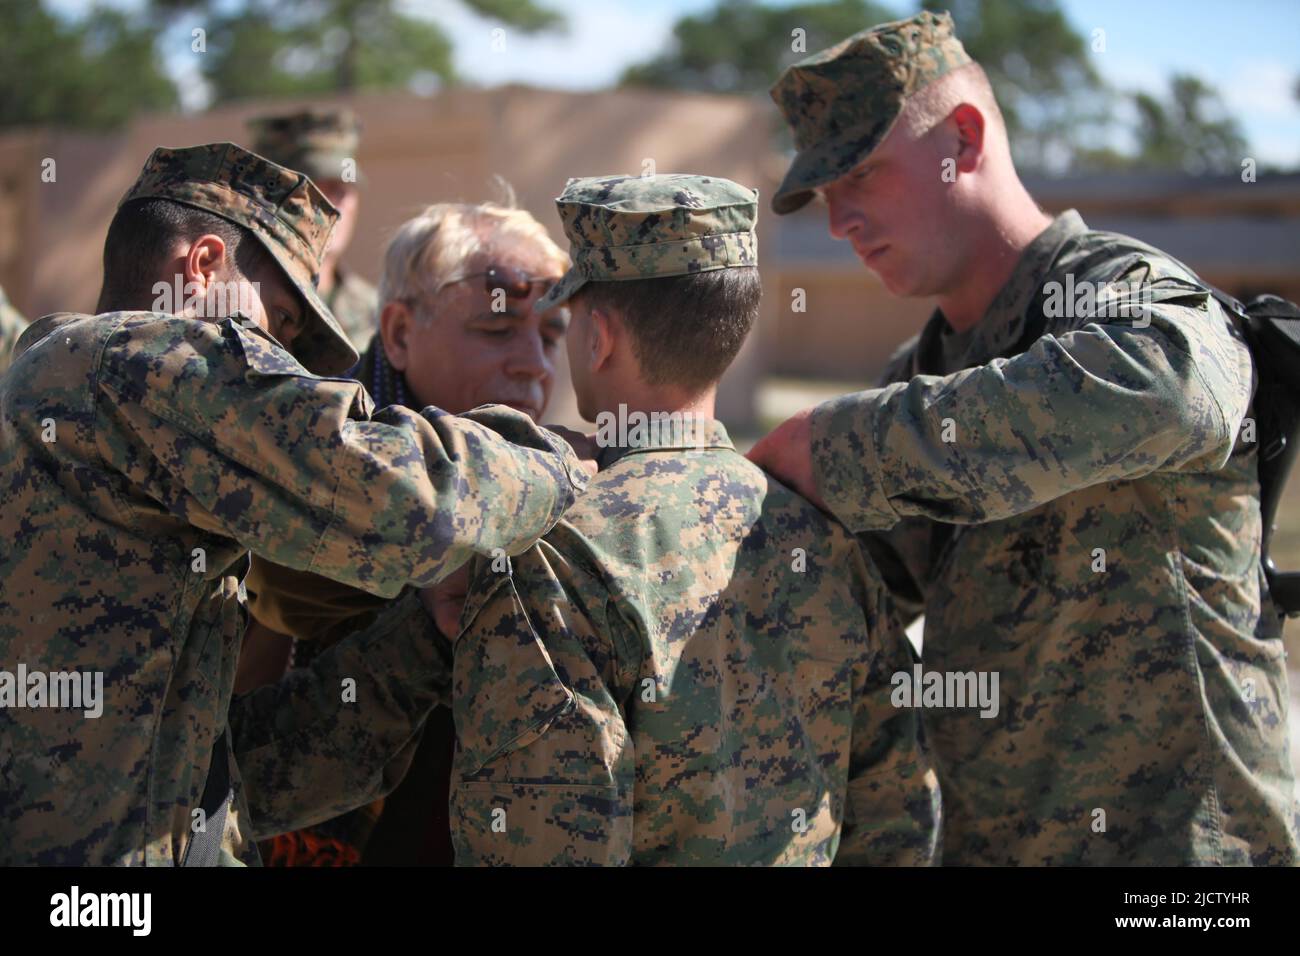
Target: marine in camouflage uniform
178,445
1091,532
320,142
12,324
694,666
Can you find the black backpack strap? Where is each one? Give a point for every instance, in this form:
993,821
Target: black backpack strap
205,845
1271,326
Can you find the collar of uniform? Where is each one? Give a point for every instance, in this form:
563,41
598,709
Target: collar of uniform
660,431
41,328
1003,322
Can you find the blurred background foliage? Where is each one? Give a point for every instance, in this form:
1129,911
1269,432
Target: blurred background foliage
101,69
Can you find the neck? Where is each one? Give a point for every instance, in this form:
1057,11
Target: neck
1001,239
665,400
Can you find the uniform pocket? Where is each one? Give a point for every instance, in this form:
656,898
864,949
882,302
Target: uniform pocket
530,789
506,692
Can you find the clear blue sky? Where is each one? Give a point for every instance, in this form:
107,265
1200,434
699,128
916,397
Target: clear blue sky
1248,50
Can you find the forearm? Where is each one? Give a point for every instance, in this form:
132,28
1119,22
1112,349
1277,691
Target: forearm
341,732
1099,404
295,468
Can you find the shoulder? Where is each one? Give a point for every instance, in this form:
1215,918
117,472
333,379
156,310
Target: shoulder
58,351
198,366
648,505
1111,256
152,349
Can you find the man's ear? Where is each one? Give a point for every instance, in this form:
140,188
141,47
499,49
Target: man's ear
395,322
206,261
603,334
969,123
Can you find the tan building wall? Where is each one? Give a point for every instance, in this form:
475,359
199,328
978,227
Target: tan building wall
417,150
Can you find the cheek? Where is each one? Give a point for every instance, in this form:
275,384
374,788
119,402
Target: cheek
573,340
429,367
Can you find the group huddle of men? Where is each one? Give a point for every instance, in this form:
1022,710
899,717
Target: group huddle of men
649,649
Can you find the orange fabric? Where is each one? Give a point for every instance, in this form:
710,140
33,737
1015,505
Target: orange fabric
305,848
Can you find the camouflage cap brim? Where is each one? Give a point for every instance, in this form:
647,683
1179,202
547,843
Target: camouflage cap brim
322,346
822,164
562,291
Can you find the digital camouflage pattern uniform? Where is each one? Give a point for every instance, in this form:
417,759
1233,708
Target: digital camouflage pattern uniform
1090,531
141,456
320,143
694,666
12,324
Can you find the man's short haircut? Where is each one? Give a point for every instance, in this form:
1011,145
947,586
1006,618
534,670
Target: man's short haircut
686,330
143,234
435,246
932,104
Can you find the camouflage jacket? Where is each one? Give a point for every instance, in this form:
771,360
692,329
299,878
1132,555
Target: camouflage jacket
141,456
1079,515
693,667
312,746
12,324
355,304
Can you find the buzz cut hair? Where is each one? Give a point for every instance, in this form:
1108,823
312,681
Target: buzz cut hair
144,234
934,103
685,330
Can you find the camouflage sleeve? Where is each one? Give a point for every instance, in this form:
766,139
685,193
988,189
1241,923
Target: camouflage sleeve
1102,403
225,428
544,773
343,731
893,810
902,553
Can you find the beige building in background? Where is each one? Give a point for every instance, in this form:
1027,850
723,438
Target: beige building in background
415,150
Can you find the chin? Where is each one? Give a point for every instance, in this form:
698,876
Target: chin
587,409
899,285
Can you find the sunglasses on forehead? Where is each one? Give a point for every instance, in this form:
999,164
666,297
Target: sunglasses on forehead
516,283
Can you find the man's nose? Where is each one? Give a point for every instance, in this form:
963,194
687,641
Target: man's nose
528,358
843,218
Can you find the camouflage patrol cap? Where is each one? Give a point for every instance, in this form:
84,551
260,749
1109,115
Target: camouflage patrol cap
282,208
315,141
840,103
641,227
